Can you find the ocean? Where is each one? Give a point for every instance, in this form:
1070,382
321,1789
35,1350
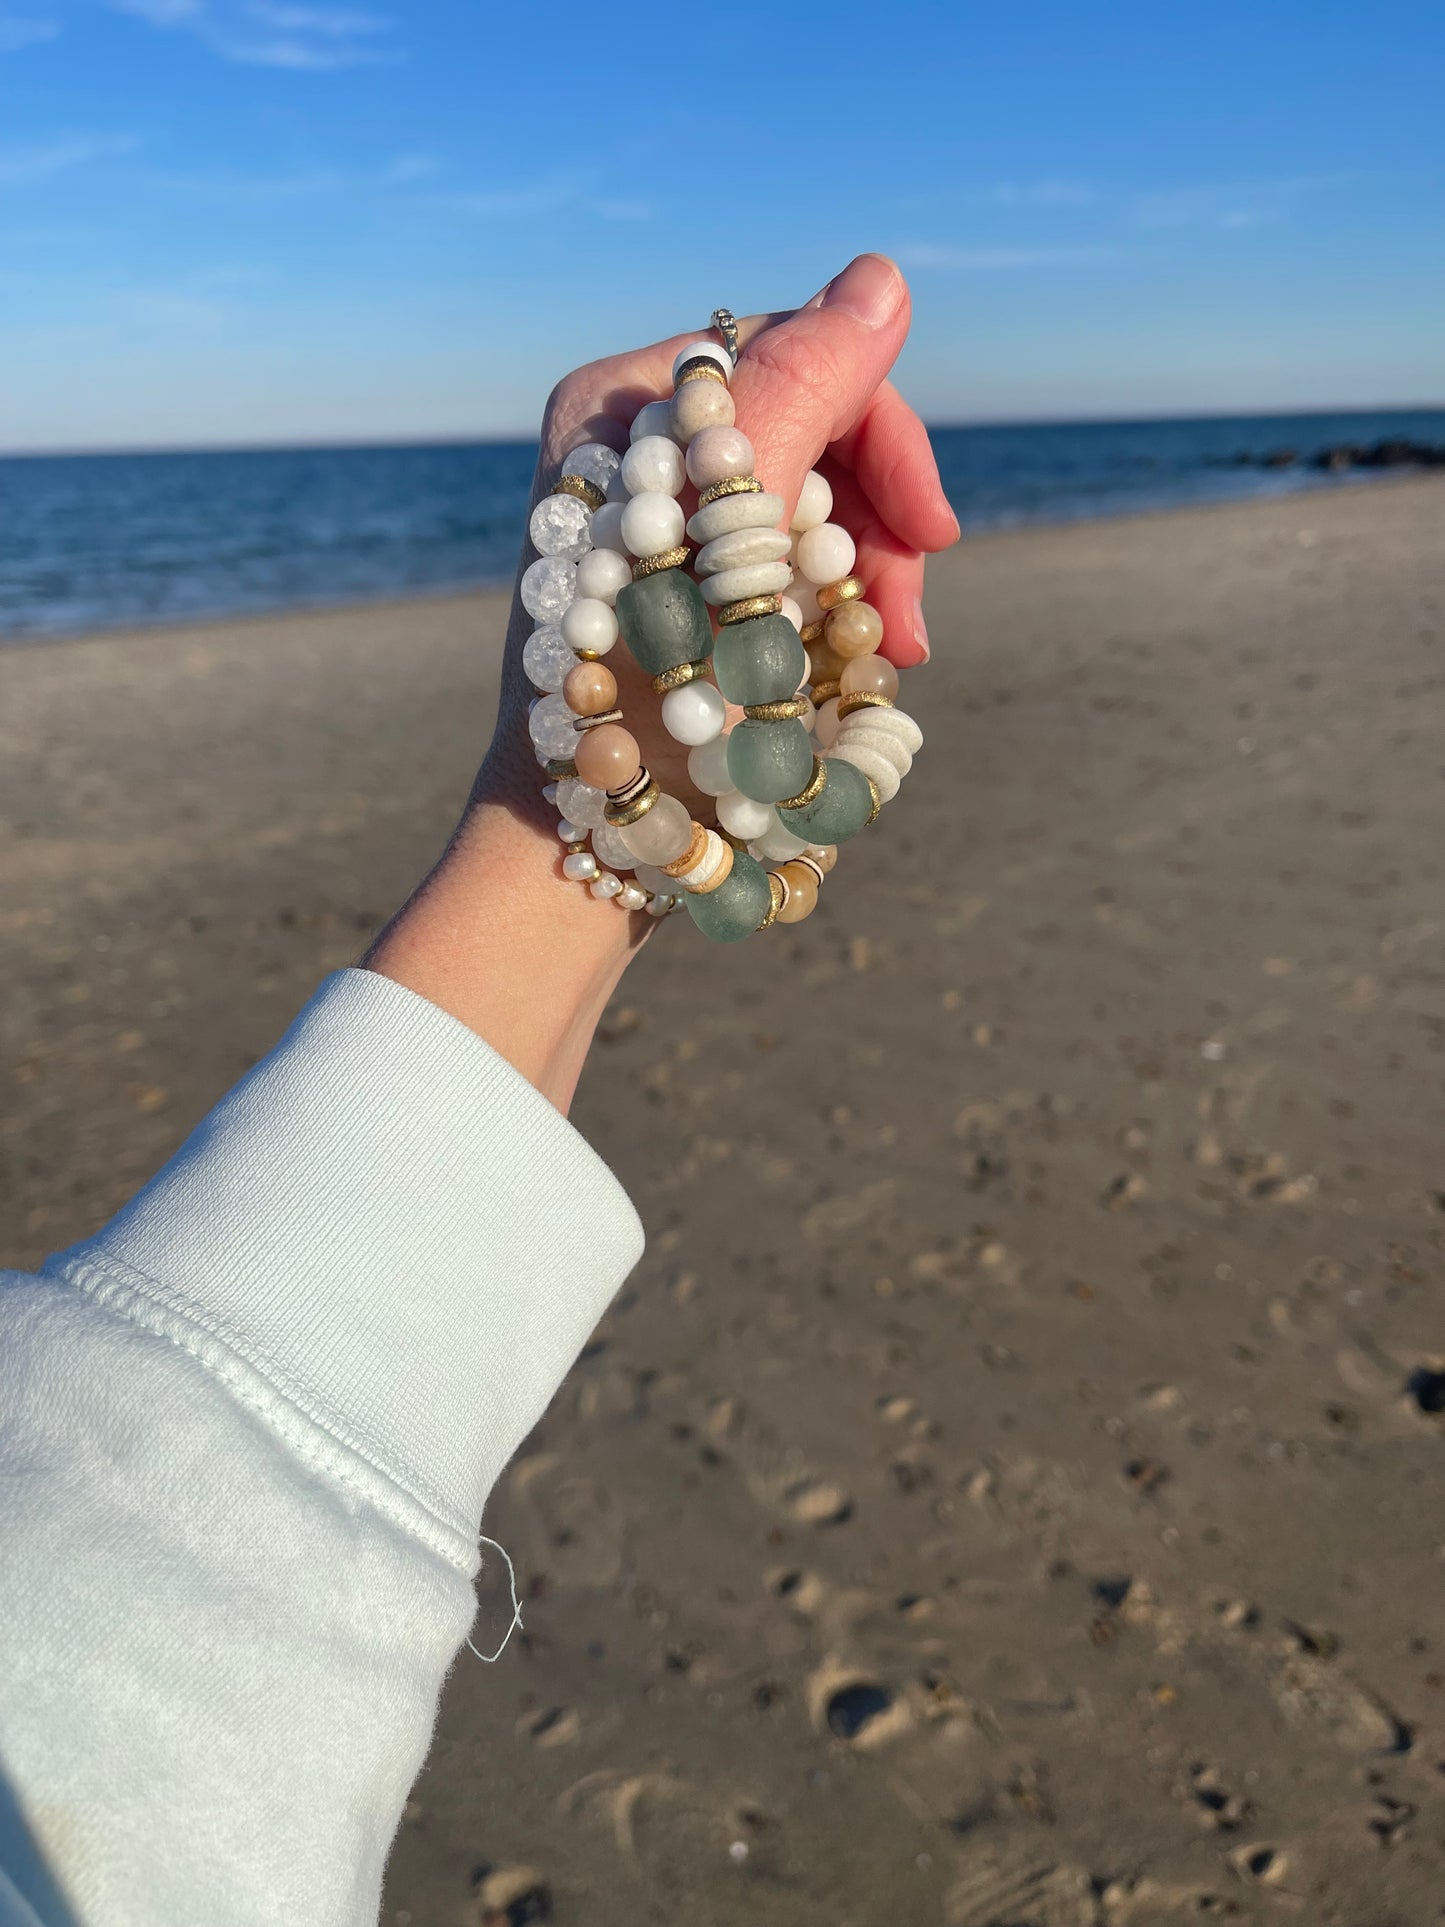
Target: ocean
90,542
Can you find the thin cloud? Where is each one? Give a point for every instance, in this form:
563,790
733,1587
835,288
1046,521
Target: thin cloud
17,31
1036,194
41,161
1235,205
268,33
936,254
407,168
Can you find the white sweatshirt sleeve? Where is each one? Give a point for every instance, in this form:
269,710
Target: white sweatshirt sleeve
246,1433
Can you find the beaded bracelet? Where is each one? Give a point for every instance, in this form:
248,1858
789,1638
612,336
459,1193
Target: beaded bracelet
777,801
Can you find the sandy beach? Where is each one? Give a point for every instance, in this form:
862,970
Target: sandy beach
1009,1492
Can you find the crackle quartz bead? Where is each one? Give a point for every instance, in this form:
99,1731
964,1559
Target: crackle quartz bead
590,689
601,576
758,578
759,661
815,502
593,462
709,350
652,524
698,405
579,867
853,629
755,509
606,757
741,548
606,886
654,466
607,528
845,805
581,803
548,587
707,767
664,619
802,898
561,525
550,727
662,835
826,553
589,623
738,905
715,453
547,657
769,761
869,676
631,897
694,714
610,849
653,418
744,816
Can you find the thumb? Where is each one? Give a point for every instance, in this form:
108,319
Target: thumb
806,381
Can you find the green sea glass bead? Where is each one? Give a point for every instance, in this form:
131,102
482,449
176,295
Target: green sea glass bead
840,811
737,906
664,621
761,660
768,761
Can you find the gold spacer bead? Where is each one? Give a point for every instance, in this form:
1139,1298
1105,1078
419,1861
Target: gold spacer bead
824,692
786,711
584,490
655,564
862,699
748,607
619,815
811,632
777,897
816,784
729,485
848,590
691,855
678,675
700,368
558,767
719,876
581,723
575,849
877,800
589,655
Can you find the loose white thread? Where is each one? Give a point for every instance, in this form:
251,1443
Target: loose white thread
490,1659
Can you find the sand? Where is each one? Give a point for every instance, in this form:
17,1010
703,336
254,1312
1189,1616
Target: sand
1008,1494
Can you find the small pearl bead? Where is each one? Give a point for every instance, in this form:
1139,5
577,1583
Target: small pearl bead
607,757
827,726
654,466
590,689
715,453
652,524
744,817
863,676
815,502
606,886
653,418
630,897
694,714
569,832
708,768
659,906
549,792
580,867
590,624
607,527
853,629
712,350
601,576
826,553
698,405
790,608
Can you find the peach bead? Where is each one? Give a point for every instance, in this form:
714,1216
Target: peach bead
863,676
608,756
716,452
802,899
854,629
590,689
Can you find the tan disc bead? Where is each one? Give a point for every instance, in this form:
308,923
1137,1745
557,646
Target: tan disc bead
802,897
854,629
701,404
590,689
608,756
863,676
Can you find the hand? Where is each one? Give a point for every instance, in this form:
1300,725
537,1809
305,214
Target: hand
493,935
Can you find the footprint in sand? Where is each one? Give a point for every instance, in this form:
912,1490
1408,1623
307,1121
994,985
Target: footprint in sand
509,1897
1016,1884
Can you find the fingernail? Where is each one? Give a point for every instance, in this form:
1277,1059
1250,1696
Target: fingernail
920,629
870,289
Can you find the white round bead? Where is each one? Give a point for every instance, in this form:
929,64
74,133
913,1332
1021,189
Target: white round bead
758,578
593,462
570,832
546,657
611,850
753,510
602,574
790,606
655,880
815,502
582,804
550,725
607,885
590,624
809,716
548,587
806,597
740,548
714,352
653,418
654,466
652,524
580,867
826,553
694,714
561,525
826,728
607,529
872,764
743,817
630,897
708,767
617,489
777,844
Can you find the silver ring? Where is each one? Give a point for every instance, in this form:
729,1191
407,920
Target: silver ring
727,327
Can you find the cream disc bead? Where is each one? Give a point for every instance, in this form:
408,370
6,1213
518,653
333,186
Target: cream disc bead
826,553
579,867
662,835
653,418
896,723
606,886
880,740
707,768
698,405
652,524
739,549
743,817
602,575
733,585
815,502
696,350
654,466
607,527
754,509
694,714
589,623
714,454
872,763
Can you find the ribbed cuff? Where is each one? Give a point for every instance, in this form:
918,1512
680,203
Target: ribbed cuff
391,1230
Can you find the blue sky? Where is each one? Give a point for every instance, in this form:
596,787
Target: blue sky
247,220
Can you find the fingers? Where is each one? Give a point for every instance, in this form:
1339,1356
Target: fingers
891,568
893,458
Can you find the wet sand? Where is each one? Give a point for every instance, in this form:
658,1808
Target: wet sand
1009,1492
